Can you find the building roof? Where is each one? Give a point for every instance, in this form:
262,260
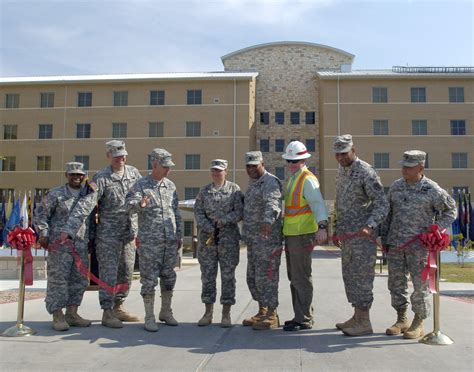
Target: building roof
128,77
281,43
402,72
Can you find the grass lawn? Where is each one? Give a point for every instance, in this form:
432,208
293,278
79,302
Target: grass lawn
453,272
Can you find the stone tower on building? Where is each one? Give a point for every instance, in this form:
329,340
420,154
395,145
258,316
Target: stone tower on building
287,94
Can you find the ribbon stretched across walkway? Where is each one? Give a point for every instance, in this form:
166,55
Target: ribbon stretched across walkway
22,240
434,241
119,288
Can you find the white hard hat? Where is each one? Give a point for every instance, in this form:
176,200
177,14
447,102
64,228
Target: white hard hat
296,151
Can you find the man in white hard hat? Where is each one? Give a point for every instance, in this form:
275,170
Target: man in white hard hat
304,226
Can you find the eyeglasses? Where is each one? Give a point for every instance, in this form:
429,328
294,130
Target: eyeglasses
293,161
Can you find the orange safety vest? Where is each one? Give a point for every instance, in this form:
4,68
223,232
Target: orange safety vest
299,218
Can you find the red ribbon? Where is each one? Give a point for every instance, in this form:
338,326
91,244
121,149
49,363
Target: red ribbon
435,241
119,288
22,240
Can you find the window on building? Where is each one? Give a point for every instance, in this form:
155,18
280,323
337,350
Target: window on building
39,193
280,172
193,129
294,117
47,99
149,165
188,228
382,160
12,100
456,94
84,99
156,129
380,127
280,118
459,159
194,97
191,192
427,161
84,159
418,94
43,163
83,130
311,145
119,130
8,163
458,127
379,95
45,131
10,132
264,118
279,145
6,195
121,98
157,97
419,127
264,145
193,161
310,117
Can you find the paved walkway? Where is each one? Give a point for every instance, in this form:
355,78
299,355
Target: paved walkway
191,348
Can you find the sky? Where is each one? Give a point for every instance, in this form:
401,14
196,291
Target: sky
78,37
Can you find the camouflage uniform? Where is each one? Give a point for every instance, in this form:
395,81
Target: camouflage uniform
66,285
224,204
159,231
413,208
263,204
360,201
116,230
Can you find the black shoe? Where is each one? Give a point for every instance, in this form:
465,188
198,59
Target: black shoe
289,321
295,326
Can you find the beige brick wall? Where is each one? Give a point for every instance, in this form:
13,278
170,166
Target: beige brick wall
10,269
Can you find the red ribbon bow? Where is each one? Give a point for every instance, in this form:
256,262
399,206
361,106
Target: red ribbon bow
435,241
22,240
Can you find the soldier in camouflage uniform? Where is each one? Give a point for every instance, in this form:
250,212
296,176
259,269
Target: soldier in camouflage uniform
155,200
262,232
116,230
218,209
360,206
416,202
66,285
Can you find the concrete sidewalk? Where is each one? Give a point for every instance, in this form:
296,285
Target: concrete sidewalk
191,348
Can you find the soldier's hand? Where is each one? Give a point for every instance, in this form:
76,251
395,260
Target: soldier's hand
266,230
366,232
43,242
144,202
321,236
64,237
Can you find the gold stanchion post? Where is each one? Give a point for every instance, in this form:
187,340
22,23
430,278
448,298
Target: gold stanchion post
436,337
19,329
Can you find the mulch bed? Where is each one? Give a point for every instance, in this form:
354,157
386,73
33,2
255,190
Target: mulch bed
12,296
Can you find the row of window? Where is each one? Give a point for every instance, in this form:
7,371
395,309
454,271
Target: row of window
419,127
417,94
310,117
280,145
458,160
120,98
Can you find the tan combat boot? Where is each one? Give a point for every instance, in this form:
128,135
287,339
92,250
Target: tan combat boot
347,324
415,330
262,311
269,321
150,321
401,325
166,314
362,325
226,322
207,317
74,319
110,320
59,322
124,315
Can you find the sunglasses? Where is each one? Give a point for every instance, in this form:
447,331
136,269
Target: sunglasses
293,161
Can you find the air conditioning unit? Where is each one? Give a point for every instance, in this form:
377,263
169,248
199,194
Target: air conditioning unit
215,133
216,100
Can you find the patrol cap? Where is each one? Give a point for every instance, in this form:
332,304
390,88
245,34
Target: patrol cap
116,148
412,158
343,144
220,164
74,167
253,158
162,156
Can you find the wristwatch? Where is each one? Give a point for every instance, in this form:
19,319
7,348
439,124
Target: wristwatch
322,226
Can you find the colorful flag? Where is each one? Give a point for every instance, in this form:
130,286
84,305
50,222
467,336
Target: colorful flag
12,222
470,220
24,213
461,216
3,221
